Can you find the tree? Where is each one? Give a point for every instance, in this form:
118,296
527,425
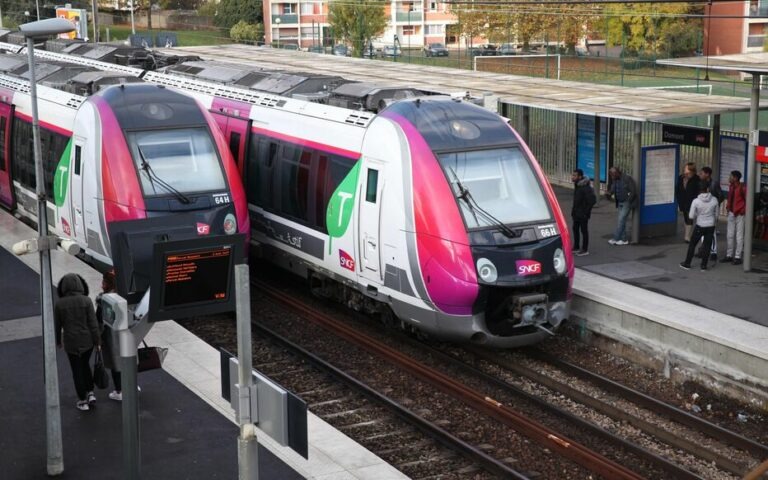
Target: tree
357,22
642,29
246,32
230,12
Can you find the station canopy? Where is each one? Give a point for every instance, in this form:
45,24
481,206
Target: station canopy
740,62
646,105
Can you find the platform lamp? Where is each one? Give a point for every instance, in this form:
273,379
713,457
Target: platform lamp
55,460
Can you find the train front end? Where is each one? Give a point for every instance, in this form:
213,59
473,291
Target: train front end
162,154
493,248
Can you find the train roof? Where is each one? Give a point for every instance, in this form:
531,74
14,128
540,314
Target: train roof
81,80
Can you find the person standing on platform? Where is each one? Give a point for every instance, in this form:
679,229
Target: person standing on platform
109,342
705,177
75,324
583,201
623,189
686,190
704,214
737,207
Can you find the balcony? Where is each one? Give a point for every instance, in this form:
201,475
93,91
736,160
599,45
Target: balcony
758,9
286,19
415,17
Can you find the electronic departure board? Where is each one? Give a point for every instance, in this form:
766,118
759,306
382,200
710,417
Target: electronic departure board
194,277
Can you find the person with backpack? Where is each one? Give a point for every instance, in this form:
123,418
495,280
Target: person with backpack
737,207
583,200
704,215
705,177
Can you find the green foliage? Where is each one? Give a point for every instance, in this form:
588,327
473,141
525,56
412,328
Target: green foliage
229,12
357,22
179,4
651,30
246,32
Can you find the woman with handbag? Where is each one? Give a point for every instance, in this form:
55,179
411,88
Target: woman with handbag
109,339
78,331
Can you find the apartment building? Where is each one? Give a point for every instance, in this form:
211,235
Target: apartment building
305,23
737,27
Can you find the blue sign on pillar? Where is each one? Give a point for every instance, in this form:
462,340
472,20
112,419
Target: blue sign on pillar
658,210
585,145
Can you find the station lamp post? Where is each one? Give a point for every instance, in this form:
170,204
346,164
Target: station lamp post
55,459
277,22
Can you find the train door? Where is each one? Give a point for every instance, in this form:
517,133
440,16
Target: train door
6,186
76,190
236,132
370,219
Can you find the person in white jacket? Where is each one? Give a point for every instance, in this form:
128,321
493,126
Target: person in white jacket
704,214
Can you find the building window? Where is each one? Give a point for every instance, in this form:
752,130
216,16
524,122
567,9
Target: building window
307,8
287,9
432,6
434,29
409,29
309,32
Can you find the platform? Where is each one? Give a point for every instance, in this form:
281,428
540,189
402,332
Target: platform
186,429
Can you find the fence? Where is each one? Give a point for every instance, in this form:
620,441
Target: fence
552,140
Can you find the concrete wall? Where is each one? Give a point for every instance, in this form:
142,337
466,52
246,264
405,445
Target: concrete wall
684,341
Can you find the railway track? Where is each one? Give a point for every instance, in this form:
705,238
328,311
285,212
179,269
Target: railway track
446,373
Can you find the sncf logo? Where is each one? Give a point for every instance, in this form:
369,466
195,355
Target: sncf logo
528,267
65,227
203,228
346,260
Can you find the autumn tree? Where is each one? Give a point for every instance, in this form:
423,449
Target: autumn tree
357,22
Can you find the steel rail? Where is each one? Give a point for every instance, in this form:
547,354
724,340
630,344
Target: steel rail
674,413
580,454
441,435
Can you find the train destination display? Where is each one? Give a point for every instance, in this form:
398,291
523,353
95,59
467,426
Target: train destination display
194,277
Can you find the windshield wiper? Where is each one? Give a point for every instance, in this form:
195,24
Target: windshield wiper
154,178
475,208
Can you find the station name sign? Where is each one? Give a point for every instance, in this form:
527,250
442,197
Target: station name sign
697,137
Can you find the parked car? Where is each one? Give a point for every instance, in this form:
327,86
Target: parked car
316,49
488,49
369,51
341,51
391,51
435,50
510,49
290,46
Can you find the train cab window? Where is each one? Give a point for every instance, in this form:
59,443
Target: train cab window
78,156
372,186
2,143
183,159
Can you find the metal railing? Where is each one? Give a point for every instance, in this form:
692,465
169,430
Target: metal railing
288,18
403,17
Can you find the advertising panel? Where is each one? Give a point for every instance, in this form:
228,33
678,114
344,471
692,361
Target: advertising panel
79,19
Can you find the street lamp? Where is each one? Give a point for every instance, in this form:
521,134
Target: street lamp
410,33
277,22
133,24
55,460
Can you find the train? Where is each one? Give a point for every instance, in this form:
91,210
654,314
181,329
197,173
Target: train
422,208
113,149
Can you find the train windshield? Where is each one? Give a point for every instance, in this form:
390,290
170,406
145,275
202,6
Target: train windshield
176,161
495,187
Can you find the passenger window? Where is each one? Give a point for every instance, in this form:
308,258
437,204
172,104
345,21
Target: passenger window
373,184
2,144
234,146
77,159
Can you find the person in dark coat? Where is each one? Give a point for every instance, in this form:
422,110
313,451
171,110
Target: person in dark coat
686,190
78,331
623,189
109,341
583,201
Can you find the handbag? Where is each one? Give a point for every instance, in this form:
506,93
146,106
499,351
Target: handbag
150,358
100,377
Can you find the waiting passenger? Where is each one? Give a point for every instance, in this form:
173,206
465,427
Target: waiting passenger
704,214
623,189
583,201
108,340
75,318
686,190
737,207
705,176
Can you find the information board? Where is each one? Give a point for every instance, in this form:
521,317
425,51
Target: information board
733,156
585,146
194,277
657,188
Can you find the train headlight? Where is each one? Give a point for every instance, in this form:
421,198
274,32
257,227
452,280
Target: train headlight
558,260
487,270
230,224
